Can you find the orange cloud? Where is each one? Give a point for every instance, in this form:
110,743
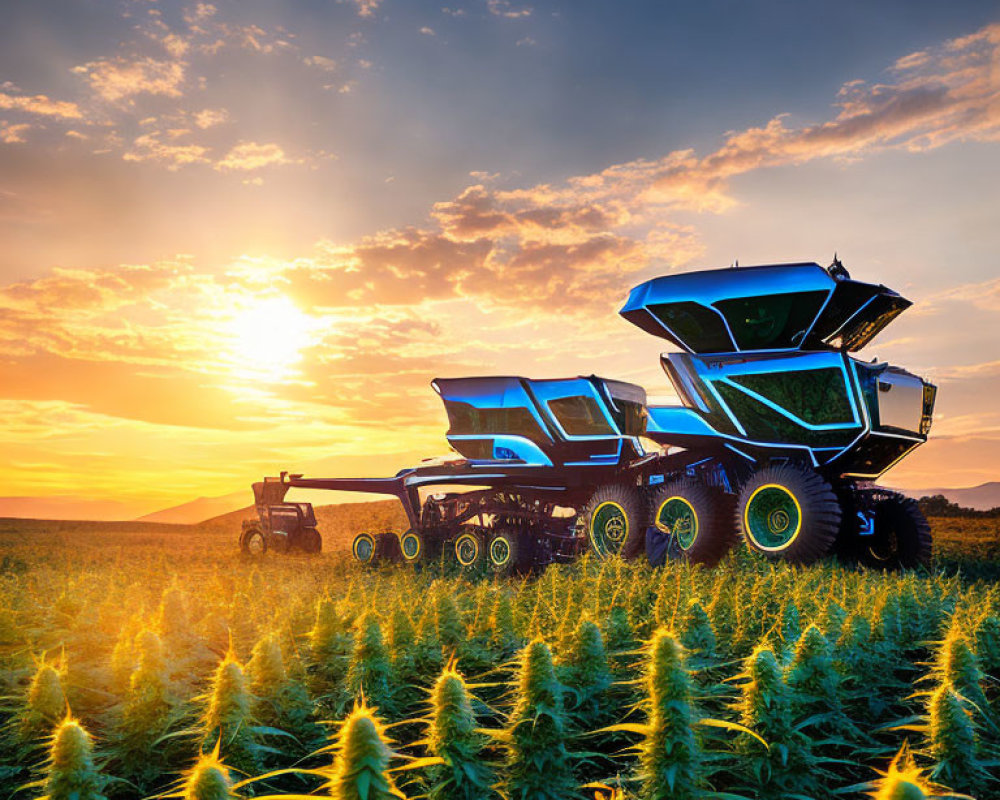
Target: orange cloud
247,156
78,290
41,105
148,147
119,78
13,134
943,95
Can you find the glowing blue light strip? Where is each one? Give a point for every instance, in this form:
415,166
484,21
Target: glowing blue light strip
595,463
725,407
818,314
867,422
741,453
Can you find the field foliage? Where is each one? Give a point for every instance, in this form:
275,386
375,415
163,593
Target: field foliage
156,661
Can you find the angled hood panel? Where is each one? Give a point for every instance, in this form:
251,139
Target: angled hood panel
753,309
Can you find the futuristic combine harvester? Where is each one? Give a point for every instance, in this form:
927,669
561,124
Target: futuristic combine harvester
777,440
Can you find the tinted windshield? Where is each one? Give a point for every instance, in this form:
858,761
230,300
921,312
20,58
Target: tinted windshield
466,420
771,322
581,416
699,328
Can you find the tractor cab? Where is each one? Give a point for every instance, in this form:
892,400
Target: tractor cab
280,526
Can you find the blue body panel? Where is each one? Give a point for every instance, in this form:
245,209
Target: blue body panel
730,401
518,421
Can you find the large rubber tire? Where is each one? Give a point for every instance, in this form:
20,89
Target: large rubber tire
849,532
469,550
614,521
388,551
253,542
788,513
902,537
696,519
310,541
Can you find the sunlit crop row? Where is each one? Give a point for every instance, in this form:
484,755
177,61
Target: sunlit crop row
133,676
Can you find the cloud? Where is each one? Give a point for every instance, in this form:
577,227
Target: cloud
97,289
496,274
119,78
149,147
41,105
984,295
321,62
503,8
198,13
950,93
392,268
13,134
367,8
247,156
210,117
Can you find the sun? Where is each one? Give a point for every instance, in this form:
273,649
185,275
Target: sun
267,337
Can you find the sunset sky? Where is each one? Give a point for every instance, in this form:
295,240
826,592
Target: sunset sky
243,237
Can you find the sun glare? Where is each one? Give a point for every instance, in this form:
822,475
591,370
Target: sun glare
268,337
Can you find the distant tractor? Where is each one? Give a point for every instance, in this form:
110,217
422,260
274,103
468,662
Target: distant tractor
779,433
281,527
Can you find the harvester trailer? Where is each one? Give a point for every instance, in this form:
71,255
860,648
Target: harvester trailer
778,437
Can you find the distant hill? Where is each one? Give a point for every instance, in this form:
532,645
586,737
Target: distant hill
198,510
983,497
338,524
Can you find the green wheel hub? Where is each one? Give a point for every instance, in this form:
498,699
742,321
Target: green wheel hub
772,517
677,518
608,528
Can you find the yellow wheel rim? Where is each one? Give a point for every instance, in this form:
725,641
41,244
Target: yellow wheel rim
466,549
363,547
410,544
500,550
609,527
677,518
772,517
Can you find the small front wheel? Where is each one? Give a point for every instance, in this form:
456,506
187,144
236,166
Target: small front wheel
503,552
788,512
253,542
